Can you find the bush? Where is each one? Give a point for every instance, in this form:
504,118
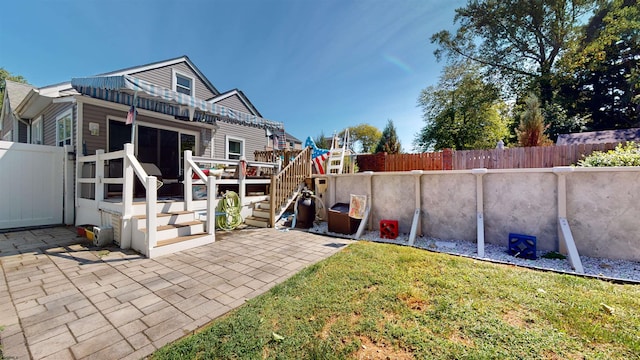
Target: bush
622,155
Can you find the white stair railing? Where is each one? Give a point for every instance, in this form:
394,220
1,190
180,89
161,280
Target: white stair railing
189,168
132,166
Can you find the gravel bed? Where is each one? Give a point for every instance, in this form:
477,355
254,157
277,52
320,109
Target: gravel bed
610,269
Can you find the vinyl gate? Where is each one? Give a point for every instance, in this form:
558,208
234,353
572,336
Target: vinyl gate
32,183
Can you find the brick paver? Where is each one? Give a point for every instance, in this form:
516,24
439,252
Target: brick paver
62,299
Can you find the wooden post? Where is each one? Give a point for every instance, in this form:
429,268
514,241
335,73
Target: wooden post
272,200
151,208
127,197
187,182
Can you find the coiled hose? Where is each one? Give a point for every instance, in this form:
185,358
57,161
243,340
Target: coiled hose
229,210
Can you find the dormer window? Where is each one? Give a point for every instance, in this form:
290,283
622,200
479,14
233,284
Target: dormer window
183,83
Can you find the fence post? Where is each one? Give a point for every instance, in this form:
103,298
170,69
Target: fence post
99,186
69,202
152,223
211,200
447,159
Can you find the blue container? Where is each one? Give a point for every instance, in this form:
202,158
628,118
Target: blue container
523,246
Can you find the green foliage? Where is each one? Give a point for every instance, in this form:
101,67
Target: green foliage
517,40
406,303
601,71
462,112
622,155
389,141
6,75
363,137
531,129
322,141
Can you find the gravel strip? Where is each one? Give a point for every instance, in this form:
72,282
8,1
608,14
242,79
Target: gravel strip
609,269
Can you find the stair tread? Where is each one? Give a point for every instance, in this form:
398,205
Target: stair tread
164,214
180,239
175,226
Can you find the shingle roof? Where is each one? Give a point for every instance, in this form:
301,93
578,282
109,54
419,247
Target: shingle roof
292,138
599,137
16,92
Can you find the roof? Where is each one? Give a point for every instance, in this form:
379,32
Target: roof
16,92
599,137
292,138
56,89
242,97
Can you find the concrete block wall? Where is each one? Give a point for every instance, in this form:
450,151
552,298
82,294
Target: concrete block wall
603,205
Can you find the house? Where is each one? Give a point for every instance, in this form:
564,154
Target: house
599,137
164,111
293,143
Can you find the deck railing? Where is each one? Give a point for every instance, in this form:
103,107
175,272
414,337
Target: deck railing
275,156
91,203
285,184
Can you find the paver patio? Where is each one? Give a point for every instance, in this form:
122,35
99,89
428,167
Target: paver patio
62,299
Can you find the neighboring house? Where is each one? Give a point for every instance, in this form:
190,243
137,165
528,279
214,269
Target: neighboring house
293,143
600,137
90,114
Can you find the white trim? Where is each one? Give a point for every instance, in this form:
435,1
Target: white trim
226,145
174,81
40,137
68,112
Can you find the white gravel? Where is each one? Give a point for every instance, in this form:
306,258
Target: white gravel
596,267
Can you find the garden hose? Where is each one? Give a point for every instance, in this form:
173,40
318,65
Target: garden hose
229,209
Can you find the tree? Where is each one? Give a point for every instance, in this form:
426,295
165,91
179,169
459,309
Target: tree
519,40
531,129
602,70
461,112
363,137
322,141
6,75
389,142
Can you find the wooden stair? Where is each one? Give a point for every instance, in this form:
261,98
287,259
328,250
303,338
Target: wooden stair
261,215
175,231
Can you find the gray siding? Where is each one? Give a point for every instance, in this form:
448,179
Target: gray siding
7,121
234,102
98,114
49,122
254,139
163,77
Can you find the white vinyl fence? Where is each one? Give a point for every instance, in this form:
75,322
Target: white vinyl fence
32,185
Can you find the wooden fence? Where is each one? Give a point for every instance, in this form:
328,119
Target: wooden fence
510,158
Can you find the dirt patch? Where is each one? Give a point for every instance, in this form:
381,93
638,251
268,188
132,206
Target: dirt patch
414,302
459,338
521,318
380,351
326,329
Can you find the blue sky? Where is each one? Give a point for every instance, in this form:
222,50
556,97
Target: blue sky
318,66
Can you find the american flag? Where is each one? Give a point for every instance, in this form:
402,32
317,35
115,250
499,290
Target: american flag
319,156
130,115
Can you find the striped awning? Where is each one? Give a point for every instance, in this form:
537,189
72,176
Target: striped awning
111,87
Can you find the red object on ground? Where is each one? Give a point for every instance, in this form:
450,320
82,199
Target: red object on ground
196,177
388,229
81,231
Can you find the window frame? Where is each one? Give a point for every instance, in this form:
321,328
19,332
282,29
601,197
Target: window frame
63,115
175,85
227,153
37,131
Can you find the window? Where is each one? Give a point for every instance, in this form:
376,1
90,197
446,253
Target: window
182,83
235,148
64,128
36,131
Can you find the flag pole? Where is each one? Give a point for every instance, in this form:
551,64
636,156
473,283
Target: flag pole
133,115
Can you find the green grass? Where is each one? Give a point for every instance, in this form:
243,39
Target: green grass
383,301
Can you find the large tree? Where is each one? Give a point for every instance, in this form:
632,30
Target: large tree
519,41
461,112
363,137
6,75
602,70
389,141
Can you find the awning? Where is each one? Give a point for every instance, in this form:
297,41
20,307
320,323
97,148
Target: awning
118,89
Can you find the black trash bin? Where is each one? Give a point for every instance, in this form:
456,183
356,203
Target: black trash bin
339,220
306,213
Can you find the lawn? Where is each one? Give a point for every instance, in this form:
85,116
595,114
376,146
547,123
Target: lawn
379,301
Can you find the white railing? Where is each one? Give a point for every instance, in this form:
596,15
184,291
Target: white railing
130,166
189,168
240,177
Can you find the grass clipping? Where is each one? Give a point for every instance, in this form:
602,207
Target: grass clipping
380,301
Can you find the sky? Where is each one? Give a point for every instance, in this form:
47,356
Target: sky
318,66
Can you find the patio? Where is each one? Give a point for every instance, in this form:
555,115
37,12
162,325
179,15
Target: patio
63,299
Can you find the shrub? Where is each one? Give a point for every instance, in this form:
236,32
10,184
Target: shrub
622,155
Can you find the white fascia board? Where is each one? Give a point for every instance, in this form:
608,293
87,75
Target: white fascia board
231,93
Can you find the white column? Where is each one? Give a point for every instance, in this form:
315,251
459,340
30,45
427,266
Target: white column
127,198
151,205
211,202
188,185
99,176
479,209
